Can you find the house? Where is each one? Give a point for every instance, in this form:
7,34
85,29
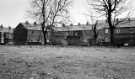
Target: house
6,35
71,35
124,33
26,33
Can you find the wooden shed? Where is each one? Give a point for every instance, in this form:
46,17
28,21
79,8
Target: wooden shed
26,33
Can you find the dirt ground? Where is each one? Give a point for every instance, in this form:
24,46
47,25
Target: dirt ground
49,62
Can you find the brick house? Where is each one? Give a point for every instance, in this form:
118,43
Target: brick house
124,33
71,35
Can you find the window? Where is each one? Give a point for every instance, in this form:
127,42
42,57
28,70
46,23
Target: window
117,30
32,32
76,34
106,31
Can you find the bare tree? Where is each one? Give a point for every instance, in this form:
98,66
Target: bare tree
111,9
94,25
47,12
95,31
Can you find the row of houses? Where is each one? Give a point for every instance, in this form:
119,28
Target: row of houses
27,33
124,34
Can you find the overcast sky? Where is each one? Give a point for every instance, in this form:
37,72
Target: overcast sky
14,11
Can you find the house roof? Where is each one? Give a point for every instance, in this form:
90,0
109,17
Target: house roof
100,25
73,28
127,24
31,26
124,24
5,29
66,28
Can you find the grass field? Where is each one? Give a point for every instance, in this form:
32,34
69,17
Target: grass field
40,62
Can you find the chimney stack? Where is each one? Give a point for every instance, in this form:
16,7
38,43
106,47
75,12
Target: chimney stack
27,22
63,25
71,24
79,24
9,27
1,26
35,23
87,23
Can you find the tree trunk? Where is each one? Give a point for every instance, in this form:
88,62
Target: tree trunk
112,35
44,34
95,36
111,28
